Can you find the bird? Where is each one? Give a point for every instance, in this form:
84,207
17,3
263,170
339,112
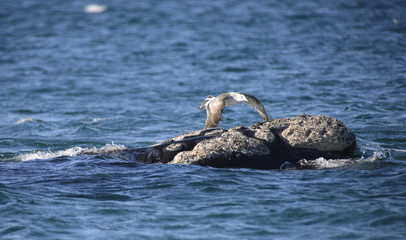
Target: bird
215,105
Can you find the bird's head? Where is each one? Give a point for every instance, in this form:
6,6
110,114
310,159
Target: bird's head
240,97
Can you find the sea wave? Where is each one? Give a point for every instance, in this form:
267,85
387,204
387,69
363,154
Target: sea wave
24,120
70,152
362,162
94,120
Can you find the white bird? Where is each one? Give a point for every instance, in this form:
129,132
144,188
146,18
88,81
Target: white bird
215,105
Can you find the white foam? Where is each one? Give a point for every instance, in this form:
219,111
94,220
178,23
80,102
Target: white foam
71,152
322,163
397,150
94,120
95,8
24,120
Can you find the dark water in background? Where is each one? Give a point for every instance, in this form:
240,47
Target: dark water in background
136,74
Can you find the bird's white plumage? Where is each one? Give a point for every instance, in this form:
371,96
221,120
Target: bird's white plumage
215,105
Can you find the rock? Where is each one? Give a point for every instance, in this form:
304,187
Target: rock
265,145
231,149
321,133
197,133
165,151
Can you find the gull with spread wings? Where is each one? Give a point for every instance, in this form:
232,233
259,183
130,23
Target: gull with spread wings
215,105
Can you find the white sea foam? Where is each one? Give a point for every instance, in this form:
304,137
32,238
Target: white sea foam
24,120
95,8
94,120
71,152
322,163
397,150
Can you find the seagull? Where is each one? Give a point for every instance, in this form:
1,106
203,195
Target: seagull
215,105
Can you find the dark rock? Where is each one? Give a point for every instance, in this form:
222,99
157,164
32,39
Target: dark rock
165,151
266,145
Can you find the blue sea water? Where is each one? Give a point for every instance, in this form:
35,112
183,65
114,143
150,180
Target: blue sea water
136,73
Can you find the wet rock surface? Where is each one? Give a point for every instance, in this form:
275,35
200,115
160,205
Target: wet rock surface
265,145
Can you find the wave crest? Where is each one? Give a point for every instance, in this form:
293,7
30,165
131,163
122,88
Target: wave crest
322,163
70,152
24,120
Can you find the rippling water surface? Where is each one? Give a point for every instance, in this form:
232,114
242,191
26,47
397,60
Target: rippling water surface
135,74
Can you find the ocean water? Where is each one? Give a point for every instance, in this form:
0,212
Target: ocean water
76,78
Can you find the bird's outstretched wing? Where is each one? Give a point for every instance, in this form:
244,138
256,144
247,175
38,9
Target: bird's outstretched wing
213,116
257,105
203,105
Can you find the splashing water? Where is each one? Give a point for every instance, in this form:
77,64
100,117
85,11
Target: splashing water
24,120
322,163
71,152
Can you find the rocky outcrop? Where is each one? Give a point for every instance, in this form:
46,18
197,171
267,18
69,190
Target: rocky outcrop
233,148
321,133
265,145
